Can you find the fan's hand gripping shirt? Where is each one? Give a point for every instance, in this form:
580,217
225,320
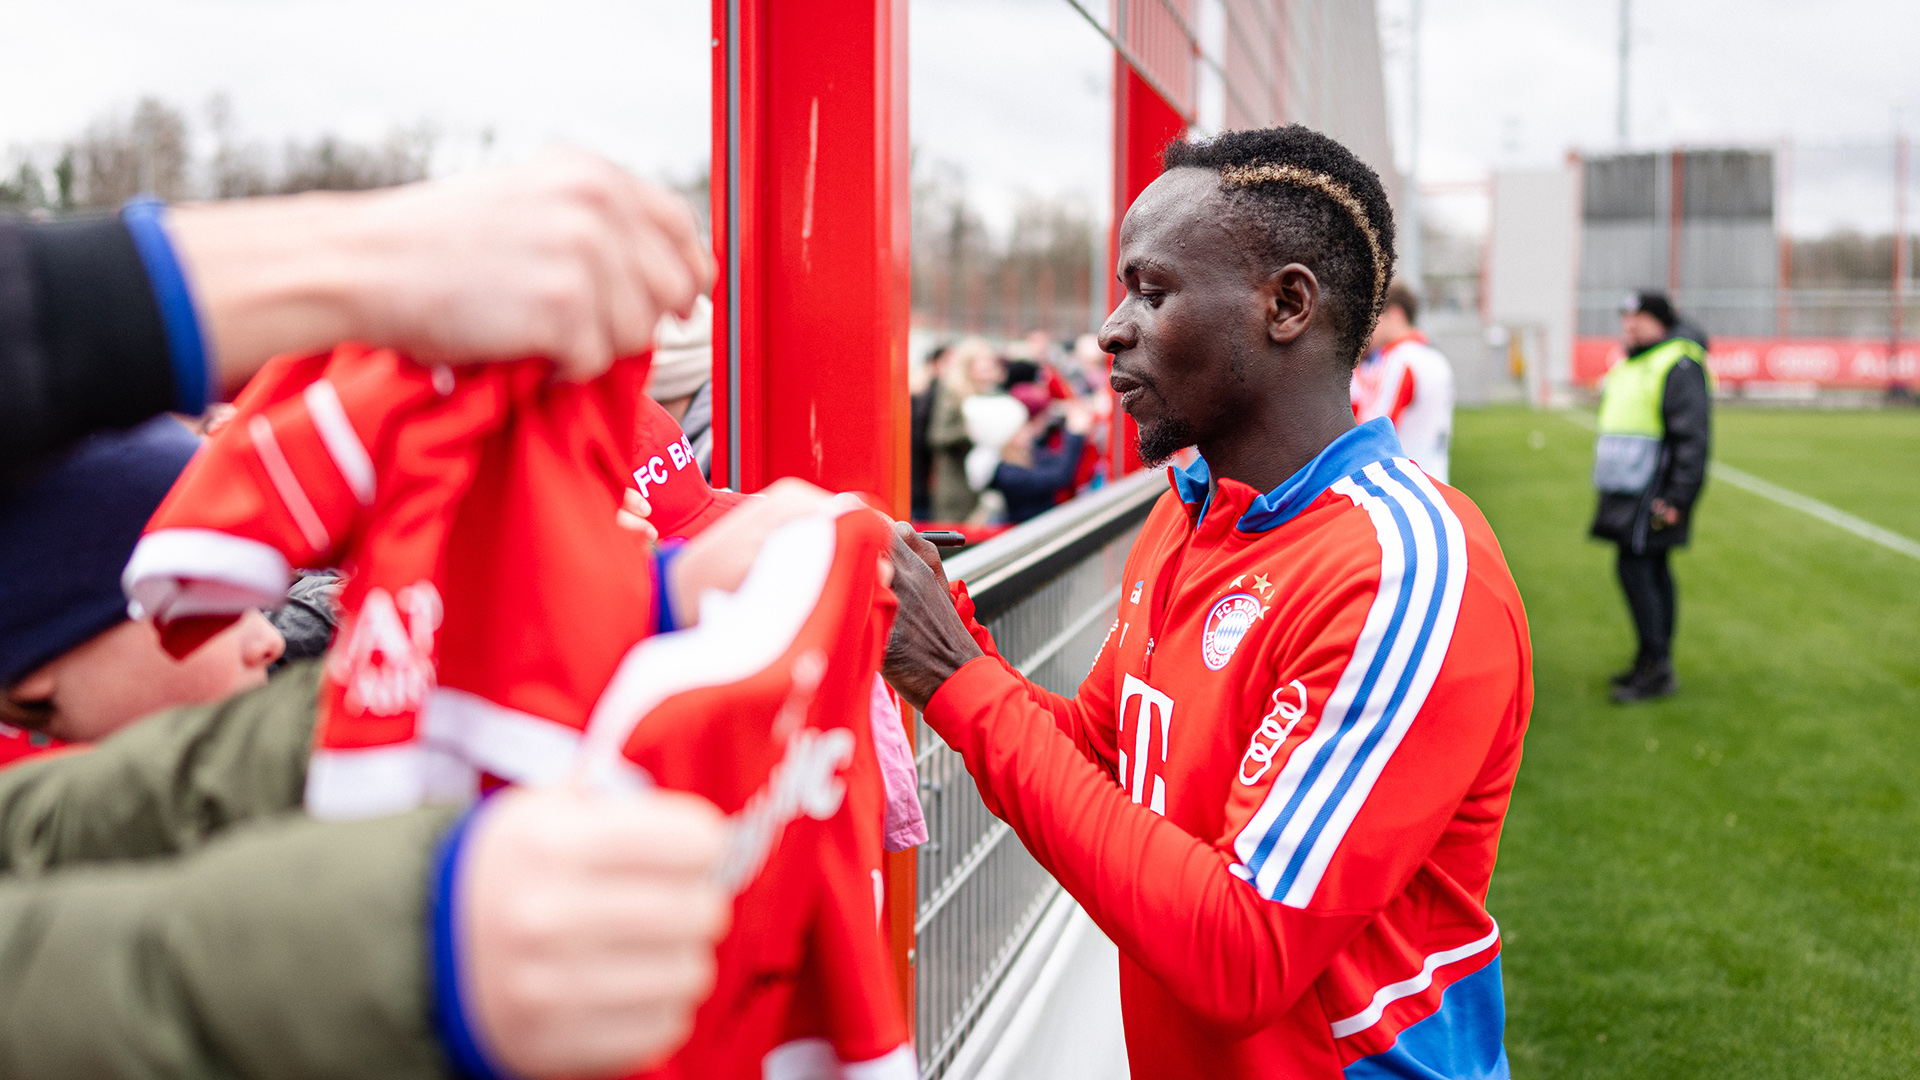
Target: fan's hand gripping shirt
763,707
1281,787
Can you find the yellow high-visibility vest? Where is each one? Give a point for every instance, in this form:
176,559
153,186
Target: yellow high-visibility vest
1631,395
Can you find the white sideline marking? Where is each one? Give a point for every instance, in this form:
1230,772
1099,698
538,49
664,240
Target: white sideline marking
1865,530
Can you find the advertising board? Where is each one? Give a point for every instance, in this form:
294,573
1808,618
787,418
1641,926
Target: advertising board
1820,363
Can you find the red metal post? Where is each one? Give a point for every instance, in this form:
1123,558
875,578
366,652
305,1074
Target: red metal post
1143,124
811,226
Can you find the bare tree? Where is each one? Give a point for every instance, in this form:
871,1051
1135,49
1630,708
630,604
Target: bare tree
1039,278
238,169
331,163
1048,262
63,179
118,158
149,151
24,190
951,246
1843,259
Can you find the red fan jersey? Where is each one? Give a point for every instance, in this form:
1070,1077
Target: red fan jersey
763,708
17,745
1281,787
497,620
474,513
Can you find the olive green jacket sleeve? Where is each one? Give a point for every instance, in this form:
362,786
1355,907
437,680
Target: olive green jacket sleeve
287,948
165,784
166,910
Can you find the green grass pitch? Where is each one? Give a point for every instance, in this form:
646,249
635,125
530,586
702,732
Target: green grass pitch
1726,883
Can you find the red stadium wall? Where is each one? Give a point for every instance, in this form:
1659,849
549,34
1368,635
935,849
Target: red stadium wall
1737,362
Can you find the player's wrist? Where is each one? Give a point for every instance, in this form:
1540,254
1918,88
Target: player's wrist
920,677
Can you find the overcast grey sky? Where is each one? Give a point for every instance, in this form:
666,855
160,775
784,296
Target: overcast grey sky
1013,89
628,78
1521,82
1016,92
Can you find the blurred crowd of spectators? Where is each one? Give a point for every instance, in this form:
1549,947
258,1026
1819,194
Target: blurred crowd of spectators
1000,434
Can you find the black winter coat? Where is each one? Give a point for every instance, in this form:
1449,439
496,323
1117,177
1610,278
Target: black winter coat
82,346
1687,409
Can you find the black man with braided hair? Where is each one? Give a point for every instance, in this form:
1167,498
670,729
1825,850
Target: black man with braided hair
1281,787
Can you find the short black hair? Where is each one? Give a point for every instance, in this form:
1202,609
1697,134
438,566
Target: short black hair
1310,200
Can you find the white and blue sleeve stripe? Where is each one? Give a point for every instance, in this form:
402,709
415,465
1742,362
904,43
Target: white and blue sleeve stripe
1286,846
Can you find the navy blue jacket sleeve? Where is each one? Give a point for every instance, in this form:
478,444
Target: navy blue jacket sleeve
1050,471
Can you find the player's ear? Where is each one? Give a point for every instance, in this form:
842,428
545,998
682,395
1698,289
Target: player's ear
1292,295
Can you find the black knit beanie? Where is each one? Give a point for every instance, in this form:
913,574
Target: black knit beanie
66,535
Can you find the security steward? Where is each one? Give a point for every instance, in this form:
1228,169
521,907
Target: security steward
1649,465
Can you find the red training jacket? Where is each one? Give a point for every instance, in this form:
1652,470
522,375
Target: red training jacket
1281,787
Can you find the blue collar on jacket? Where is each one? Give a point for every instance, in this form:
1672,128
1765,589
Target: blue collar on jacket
1355,450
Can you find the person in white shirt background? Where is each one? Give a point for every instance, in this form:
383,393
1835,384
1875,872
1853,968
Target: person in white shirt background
1407,381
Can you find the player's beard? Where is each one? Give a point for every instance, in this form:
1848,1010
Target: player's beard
1164,438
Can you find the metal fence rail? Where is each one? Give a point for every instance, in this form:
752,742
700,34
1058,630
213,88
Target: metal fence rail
1048,591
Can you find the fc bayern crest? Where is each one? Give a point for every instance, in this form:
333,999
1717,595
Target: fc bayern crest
1227,623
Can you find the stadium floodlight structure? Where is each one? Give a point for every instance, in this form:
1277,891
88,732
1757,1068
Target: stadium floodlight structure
1626,53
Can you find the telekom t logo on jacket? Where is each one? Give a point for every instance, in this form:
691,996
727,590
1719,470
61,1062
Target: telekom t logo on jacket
1145,718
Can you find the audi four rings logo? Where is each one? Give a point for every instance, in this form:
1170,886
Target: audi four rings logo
1274,729
1227,623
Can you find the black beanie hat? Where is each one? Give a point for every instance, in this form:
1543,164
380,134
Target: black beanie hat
66,535
1653,303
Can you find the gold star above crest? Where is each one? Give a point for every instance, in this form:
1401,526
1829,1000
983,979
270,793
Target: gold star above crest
1262,585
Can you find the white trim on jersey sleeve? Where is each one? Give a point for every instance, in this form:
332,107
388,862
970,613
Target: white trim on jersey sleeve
508,743
286,483
814,1059
374,781
175,573
1288,843
342,442
1392,992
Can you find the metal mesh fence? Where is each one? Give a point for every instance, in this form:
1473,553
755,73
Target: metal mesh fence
980,891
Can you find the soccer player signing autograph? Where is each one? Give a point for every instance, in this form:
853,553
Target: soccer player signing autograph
1281,787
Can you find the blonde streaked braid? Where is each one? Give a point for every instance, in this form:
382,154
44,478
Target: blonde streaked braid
1244,176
